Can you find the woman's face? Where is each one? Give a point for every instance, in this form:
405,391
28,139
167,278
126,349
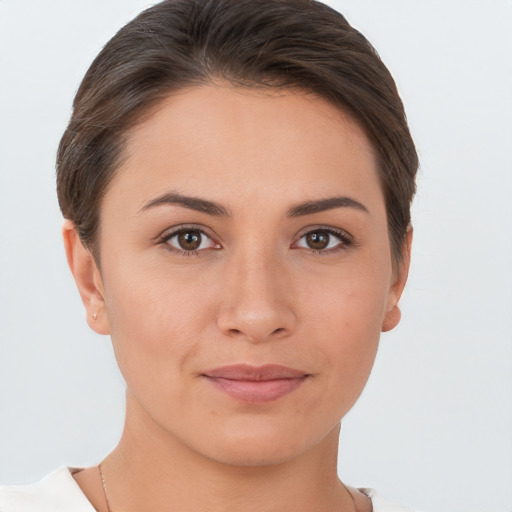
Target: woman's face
245,271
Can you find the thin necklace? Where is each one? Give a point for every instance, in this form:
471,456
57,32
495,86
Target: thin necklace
353,501
104,486
351,497
356,508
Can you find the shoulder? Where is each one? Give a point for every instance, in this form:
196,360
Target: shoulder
380,504
57,492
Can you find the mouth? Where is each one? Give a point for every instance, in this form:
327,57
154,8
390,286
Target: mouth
256,384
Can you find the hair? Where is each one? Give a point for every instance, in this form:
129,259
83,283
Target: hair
288,44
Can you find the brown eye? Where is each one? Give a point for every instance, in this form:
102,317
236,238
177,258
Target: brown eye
318,240
189,240
324,240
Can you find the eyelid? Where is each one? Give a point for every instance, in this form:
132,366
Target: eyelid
169,233
181,227
346,239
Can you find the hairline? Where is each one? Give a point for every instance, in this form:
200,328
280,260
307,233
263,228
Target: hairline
144,113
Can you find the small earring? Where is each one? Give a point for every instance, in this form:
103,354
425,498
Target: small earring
94,316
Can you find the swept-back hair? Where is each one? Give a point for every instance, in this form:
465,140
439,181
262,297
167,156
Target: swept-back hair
300,44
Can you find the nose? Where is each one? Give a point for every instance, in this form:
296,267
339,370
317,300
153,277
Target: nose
256,303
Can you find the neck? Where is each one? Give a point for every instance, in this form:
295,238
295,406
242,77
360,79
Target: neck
152,470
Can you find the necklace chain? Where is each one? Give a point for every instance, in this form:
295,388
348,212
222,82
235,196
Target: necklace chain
353,500
104,487
356,508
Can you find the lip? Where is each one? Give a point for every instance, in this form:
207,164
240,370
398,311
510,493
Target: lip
256,384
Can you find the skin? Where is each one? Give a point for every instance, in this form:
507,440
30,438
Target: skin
255,292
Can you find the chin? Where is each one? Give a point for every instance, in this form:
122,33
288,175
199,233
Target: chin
257,447
253,455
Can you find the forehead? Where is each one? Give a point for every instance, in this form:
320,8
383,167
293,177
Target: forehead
234,142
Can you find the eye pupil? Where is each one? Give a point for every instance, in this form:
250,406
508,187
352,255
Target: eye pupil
189,240
317,239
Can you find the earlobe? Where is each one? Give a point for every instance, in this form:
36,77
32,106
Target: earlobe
87,277
393,314
391,319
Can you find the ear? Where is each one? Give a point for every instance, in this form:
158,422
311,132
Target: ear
392,315
87,277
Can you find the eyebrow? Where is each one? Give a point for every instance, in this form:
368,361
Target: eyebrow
192,203
212,208
310,207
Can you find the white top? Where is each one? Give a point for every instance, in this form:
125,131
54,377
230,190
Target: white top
58,492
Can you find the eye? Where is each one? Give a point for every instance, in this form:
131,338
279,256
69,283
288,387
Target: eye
189,241
324,240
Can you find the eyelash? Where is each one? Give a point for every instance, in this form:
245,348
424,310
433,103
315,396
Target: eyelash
164,240
345,240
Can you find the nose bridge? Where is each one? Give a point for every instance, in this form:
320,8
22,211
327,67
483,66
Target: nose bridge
255,302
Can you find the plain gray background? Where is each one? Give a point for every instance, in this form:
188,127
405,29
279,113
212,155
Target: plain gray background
433,429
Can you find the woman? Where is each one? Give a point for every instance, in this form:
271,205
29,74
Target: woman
236,180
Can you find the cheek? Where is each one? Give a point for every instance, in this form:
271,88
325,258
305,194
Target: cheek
156,321
349,299
346,317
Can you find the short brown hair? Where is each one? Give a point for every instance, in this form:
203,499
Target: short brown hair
264,43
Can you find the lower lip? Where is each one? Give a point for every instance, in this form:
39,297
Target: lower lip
256,392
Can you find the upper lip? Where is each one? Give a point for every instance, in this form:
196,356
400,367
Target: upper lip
247,372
